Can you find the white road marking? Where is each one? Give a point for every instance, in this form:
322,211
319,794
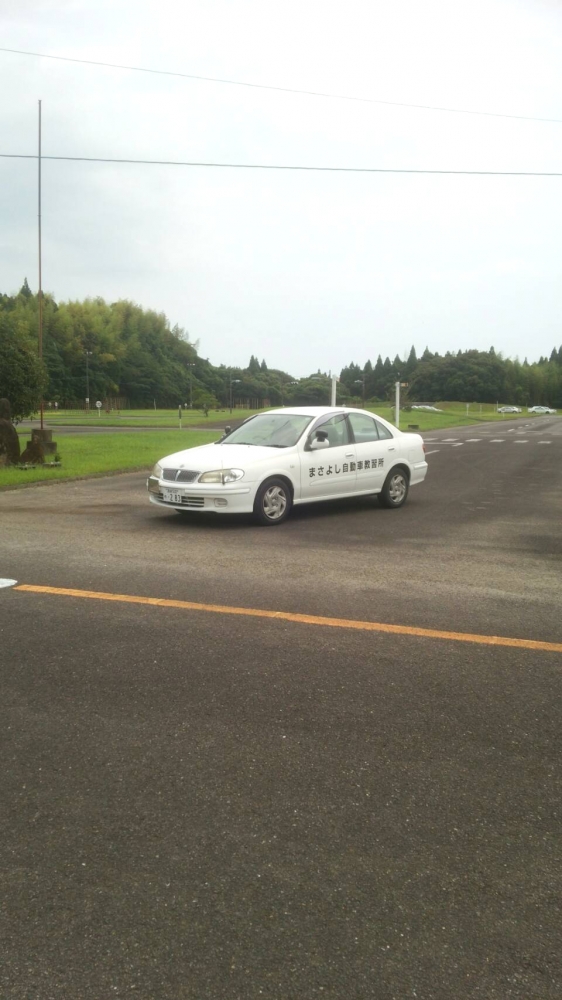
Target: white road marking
450,439
459,445
521,441
468,440
544,442
7,583
434,452
497,440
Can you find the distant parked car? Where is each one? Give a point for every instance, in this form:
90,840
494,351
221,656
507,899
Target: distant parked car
432,409
509,409
540,409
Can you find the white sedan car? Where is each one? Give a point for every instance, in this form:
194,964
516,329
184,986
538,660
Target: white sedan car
286,457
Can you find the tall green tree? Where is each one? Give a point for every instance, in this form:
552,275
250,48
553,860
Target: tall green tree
23,378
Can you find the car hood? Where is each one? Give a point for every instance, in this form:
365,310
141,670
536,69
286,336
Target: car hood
209,457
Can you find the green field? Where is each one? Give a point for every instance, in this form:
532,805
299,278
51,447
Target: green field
455,415
140,418
97,454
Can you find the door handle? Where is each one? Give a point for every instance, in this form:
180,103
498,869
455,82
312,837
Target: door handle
349,454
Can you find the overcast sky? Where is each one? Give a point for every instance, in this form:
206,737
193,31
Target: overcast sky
308,270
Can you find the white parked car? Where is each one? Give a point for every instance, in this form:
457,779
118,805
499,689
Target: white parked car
509,409
429,409
540,409
286,457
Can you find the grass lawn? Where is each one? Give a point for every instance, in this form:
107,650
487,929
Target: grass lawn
454,415
140,418
96,454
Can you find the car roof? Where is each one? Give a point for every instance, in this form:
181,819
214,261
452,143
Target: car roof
317,411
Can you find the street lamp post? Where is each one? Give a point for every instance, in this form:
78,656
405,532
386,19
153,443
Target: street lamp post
361,382
281,387
191,366
232,382
88,355
333,380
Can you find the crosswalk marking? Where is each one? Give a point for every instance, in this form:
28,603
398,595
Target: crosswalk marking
455,443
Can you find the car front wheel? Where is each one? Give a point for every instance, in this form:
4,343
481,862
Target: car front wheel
395,489
273,502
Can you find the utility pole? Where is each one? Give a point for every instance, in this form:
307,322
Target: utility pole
39,241
397,405
88,355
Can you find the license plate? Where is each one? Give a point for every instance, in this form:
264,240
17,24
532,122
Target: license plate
172,496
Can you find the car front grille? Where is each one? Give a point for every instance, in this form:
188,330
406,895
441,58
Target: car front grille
186,501
179,475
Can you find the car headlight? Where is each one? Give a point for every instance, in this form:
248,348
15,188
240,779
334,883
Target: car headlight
221,476
157,471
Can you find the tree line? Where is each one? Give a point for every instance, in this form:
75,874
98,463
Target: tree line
467,376
119,350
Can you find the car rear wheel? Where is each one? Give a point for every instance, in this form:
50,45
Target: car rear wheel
395,489
273,502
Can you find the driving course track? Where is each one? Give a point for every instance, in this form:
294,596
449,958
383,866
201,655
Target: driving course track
245,762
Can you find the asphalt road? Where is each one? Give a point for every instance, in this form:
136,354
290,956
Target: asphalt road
198,804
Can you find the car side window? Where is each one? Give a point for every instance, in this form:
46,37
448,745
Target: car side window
384,432
334,430
364,428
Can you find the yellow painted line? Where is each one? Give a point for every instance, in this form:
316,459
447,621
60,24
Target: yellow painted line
289,616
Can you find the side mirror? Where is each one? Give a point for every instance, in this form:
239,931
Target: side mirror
227,429
317,444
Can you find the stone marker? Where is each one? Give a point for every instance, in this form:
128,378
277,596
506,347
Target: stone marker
41,444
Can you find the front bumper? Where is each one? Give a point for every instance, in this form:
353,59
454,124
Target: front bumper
232,499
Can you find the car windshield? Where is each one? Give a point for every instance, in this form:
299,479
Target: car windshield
270,430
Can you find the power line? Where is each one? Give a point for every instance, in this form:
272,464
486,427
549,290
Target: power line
282,90
282,166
